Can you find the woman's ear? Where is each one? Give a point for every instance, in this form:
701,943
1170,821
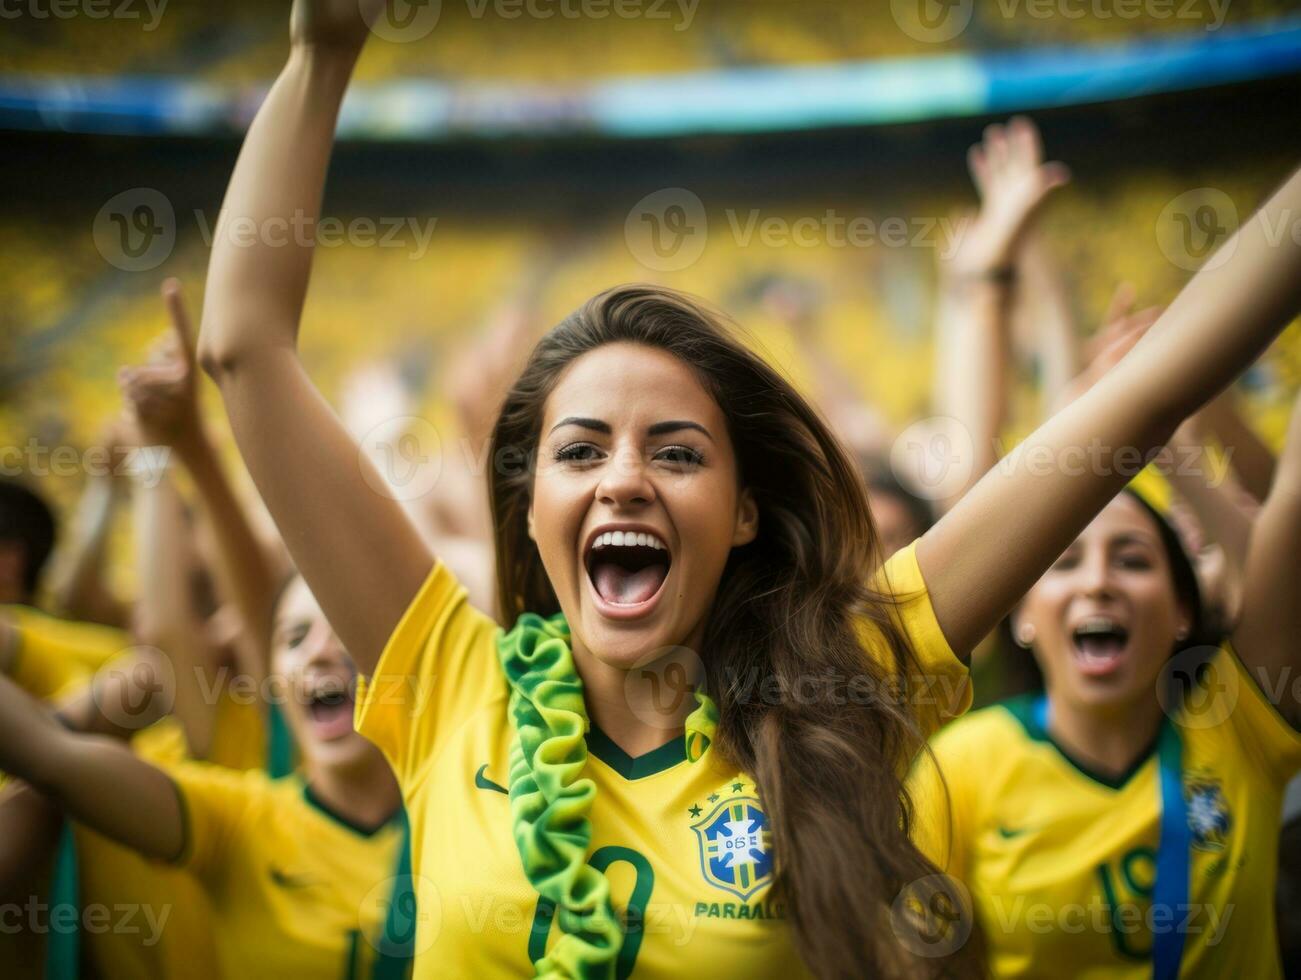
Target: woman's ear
532,536
1023,633
747,520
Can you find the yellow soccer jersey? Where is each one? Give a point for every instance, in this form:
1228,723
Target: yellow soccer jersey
157,921
294,890
661,826
1060,862
53,653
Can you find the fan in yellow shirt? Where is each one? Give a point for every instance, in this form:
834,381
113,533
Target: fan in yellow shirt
302,876
687,847
47,655
1126,821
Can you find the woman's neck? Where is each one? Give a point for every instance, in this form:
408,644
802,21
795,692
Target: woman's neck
640,709
365,794
1111,739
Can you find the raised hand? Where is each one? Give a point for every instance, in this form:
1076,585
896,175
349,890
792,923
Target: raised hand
1008,170
1121,329
162,395
343,24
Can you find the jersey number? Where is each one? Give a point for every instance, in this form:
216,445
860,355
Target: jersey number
634,918
1137,870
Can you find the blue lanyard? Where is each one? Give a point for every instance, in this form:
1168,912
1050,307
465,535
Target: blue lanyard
1173,856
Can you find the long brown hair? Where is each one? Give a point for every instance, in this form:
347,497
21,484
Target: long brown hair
829,768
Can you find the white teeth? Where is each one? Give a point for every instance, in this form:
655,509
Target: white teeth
628,539
1098,624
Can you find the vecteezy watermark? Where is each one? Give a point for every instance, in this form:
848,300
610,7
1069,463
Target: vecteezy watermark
1208,12
401,458
63,918
934,457
403,21
932,21
1097,458
1193,225
667,230
412,905
660,688
1196,229
135,687
1195,691
150,11
937,21
148,464
933,916
136,230
1115,918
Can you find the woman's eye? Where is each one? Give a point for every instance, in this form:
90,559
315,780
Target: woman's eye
1135,561
580,452
680,455
295,637
1064,563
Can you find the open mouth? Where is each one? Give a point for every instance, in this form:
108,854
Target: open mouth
330,707
627,570
1099,644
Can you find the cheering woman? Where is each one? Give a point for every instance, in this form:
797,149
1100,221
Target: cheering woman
660,494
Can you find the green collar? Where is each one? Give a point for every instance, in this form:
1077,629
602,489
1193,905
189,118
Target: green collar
665,757
319,804
1022,709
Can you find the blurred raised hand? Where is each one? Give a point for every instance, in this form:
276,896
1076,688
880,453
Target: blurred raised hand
1008,170
162,394
1121,329
333,23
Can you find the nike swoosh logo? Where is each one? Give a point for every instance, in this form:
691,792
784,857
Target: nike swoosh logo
1008,833
286,880
483,782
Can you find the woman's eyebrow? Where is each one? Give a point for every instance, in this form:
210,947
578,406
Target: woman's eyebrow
658,429
1134,537
677,425
596,425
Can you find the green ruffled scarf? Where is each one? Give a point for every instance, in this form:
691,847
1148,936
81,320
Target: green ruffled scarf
551,801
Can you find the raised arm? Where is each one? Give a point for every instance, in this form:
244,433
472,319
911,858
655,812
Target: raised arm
352,542
96,779
1270,622
166,618
1252,459
79,587
164,396
973,345
986,552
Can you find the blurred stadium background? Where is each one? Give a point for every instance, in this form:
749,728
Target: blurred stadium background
532,140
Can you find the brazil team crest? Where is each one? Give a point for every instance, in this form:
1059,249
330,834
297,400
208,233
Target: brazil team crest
736,846
1208,813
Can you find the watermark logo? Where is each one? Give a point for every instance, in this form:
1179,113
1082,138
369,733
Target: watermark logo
411,910
933,457
666,231
1194,225
932,21
1196,691
135,687
660,688
401,458
404,21
135,231
932,916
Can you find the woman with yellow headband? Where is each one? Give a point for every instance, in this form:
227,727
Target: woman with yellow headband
1125,819
661,498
